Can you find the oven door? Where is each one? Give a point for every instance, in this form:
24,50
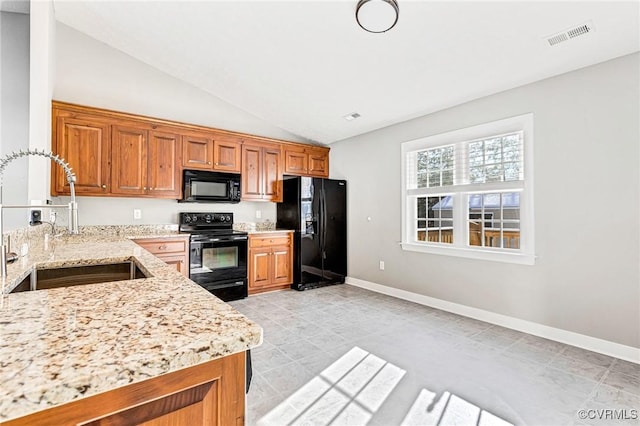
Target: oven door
217,259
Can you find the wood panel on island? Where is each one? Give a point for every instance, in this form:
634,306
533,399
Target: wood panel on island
174,251
211,393
127,155
270,261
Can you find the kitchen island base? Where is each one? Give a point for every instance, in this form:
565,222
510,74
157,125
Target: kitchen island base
211,393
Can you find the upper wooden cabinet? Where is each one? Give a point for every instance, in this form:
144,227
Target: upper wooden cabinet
144,163
197,152
261,172
206,153
126,155
306,160
84,144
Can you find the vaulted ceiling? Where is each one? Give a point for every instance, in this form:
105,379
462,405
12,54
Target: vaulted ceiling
303,65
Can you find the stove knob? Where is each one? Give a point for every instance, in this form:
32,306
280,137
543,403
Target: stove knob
187,218
228,218
221,218
207,218
194,218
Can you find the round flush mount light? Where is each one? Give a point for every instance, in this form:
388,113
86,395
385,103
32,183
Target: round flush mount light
377,16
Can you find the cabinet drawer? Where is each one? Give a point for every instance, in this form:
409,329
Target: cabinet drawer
163,246
269,241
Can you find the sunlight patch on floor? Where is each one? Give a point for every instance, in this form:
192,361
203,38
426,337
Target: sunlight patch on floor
448,409
347,392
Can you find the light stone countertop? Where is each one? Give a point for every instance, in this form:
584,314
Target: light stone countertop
269,231
62,344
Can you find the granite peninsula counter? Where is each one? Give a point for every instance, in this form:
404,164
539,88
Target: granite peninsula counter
64,344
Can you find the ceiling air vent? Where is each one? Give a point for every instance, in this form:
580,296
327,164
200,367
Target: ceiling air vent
570,33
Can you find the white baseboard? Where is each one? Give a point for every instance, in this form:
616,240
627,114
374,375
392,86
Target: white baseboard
628,353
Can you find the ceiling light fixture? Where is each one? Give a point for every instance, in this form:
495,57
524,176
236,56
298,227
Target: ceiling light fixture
377,16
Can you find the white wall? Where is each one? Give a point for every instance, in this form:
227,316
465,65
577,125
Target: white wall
14,111
89,72
41,75
587,156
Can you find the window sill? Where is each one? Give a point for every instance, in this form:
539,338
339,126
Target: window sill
494,256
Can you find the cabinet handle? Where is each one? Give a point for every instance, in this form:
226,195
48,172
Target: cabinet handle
104,186
144,187
208,162
217,164
163,247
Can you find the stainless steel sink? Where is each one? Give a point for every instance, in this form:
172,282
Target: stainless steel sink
42,279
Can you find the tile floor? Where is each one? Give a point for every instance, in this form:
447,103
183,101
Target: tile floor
344,355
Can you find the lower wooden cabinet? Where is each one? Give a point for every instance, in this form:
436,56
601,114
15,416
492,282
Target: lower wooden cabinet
211,393
270,261
174,251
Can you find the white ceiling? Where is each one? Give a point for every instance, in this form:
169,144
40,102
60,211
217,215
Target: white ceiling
303,65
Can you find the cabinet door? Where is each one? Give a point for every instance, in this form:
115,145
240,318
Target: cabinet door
282,265
179,262
197,152
272,174
252,181
226,155
319,164
295,161
85,146
259,268
129,160
163,169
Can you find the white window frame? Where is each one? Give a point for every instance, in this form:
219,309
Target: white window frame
526,254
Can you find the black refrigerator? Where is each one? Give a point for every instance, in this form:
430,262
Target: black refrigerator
317,210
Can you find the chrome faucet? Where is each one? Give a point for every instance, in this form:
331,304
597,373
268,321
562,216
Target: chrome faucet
72,206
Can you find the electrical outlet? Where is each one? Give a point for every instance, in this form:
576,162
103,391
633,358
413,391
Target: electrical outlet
382,265
258,214
36,217
137,214
52,216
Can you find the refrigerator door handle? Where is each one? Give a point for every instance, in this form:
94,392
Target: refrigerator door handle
324,222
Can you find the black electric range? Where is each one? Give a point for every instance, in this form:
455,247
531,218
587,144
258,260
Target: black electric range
217,253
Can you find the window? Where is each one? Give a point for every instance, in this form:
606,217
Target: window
469,192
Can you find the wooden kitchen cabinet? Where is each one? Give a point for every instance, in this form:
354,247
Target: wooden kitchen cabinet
144,163
211,152
126,155
270,261
211,393
85,145
261,172
303,160
174,251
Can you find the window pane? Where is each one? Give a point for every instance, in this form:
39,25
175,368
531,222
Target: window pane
493,151
494,220
434,179
437,231
421,162
447,177
476,154
476,174
493,173
422,207
496,159
512,171
422,180
447,158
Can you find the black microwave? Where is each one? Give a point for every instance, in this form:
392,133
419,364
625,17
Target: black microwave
210,187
